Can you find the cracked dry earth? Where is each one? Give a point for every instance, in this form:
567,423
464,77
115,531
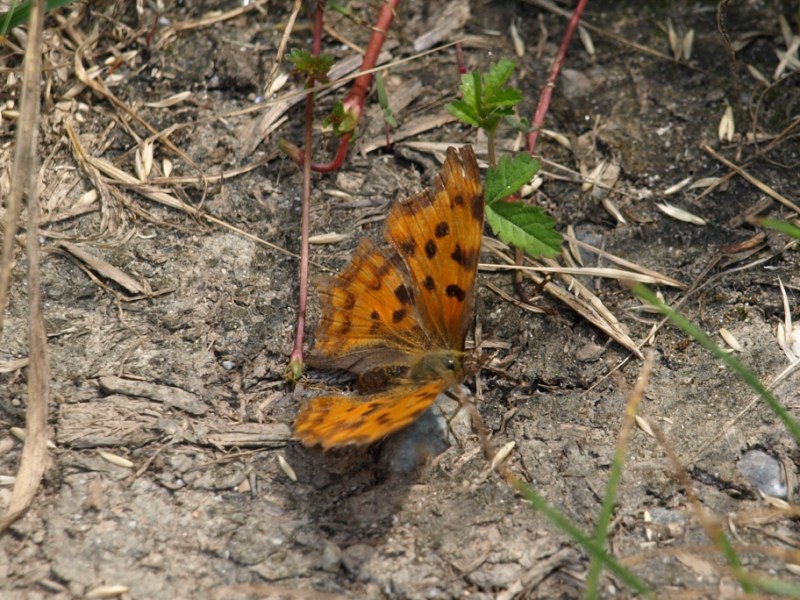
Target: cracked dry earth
183,376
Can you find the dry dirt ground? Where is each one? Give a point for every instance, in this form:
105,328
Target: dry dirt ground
182,372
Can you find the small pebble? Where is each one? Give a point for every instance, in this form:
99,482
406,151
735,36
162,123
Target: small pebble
764,472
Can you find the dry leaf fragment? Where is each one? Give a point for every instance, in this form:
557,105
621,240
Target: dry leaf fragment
688,44
105,269
680,214
730,339
286,468
502,454
727,127
519,45
327,238
170,100
677,187
170,396
586,40
116,459
107,591
452,18
644,425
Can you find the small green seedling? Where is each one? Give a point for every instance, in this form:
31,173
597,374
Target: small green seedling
313,68
486,101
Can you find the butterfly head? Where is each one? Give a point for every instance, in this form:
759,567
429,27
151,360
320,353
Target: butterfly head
437,364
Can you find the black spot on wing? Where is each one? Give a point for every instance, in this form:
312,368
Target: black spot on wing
442,229
430,249
455,291
477,207
346,325
398,315
429,284
461,257
349,300
402,294
407,247
371,408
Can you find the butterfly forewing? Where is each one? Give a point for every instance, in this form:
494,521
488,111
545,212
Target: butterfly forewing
438,235
368,304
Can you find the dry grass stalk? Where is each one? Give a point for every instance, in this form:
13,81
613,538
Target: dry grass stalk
578,297
756,182
34,453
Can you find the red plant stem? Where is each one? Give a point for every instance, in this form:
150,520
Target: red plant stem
354,102
319,12
297,351
296,360
547,91
462,67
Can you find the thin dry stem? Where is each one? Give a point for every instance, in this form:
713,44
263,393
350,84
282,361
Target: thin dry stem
34,454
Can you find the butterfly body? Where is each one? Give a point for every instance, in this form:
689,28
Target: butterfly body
403,310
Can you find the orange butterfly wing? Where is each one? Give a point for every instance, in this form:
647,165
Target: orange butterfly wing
438,235
368,317
411,308
341,420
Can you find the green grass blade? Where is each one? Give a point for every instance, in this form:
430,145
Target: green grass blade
731,361
594,549
782,226
17,15
615,475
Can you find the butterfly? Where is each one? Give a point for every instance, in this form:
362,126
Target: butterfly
401,312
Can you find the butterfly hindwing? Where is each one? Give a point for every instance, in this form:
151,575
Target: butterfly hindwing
342,420
438,235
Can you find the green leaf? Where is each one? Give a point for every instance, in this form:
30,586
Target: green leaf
485,98
313,67
340,120
509,176
521,124
782,226
464,112
527,227
383,100
498,75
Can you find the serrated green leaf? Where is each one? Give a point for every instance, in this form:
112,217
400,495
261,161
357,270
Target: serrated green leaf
464,113
524,226
507,97
485,99
498,75
509,176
